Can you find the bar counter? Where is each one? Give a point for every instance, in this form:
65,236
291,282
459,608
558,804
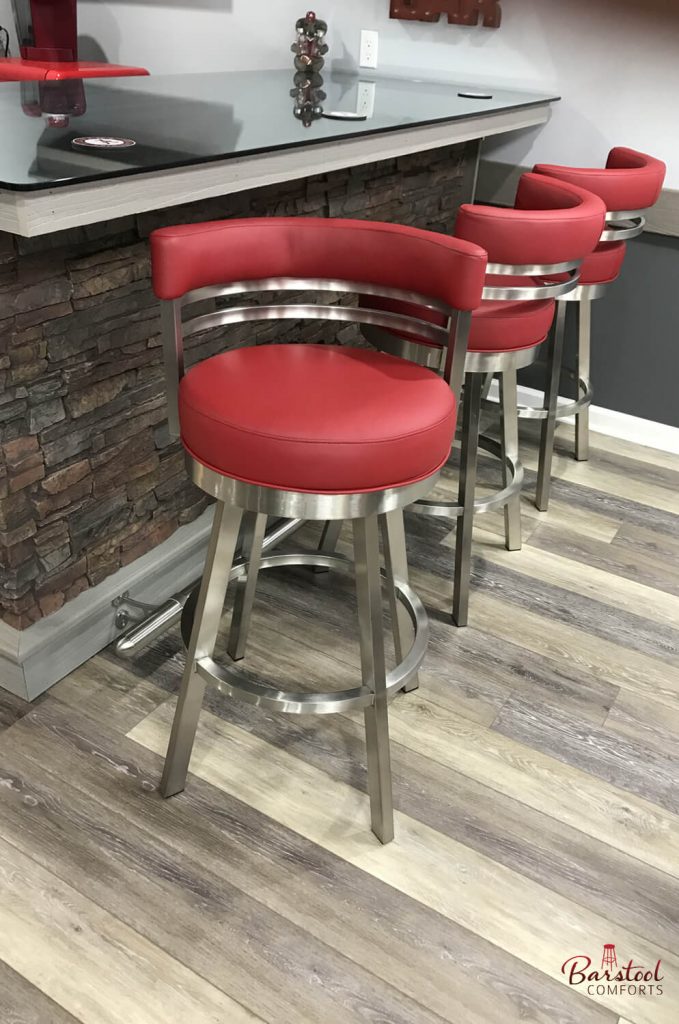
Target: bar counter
94,501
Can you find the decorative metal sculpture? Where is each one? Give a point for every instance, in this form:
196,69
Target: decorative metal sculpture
310,50
459,12
308,95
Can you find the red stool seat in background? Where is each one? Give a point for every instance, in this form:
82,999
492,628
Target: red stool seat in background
629,181
605,263
603,266
550,230
511,324
497,326
316,418
629,184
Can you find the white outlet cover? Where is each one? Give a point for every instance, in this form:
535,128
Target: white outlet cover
369,48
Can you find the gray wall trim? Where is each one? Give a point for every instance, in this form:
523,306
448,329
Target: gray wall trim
34,659
498,181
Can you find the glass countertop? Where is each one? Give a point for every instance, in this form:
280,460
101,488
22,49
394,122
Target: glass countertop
185,120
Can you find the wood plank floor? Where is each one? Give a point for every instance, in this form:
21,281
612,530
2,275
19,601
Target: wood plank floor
536,775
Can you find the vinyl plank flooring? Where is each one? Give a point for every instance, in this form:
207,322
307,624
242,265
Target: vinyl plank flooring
12,709
501,906
222,934
657,544
615,559
628,823
418,950
482,662
106,687
597,499
619,446
535,775
644,466
605,659
614,614
23,1003
588,581
563,590
627,764
560,857
567,515
88,962
644,720
620,477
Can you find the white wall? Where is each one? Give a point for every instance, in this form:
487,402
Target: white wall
173,36
615,62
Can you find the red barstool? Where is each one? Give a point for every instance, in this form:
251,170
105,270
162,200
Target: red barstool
629,185
317,432
551,229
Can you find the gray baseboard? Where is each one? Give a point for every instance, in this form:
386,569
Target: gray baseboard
36,658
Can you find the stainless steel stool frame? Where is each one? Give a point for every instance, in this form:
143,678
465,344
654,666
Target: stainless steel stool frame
370,512
477,366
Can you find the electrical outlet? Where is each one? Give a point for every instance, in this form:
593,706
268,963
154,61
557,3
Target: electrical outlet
369,43
366,99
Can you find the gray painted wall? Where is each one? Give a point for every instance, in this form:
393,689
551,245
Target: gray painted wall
635,335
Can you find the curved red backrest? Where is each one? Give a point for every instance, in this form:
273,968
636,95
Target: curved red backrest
551,223
388,255
630,181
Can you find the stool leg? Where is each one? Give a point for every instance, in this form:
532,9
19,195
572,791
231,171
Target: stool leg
253,537
396,565
550,405
329,540
373,664
471,410
510,451
209,608
487,385
584,348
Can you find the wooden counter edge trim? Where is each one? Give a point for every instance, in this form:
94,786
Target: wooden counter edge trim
42,212
498,181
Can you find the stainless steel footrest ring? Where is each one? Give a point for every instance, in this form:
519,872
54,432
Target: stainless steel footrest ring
567,409
229,680
535,412
451,510
525,412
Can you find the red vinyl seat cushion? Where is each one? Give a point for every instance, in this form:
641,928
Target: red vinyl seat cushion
497,326
510,325
605,263
316,418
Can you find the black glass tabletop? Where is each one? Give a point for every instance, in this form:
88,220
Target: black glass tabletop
61,133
